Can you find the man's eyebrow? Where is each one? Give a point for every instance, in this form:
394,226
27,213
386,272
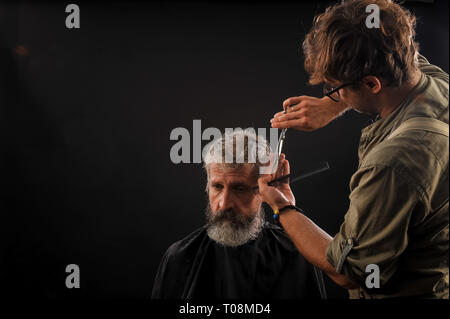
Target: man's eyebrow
235,184
231,184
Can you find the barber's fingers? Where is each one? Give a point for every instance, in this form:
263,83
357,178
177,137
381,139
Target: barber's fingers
282,170
278,168
285,164
292,108
295,100
263,181
288,116
285,169
296,123
297,119
281,166
266,178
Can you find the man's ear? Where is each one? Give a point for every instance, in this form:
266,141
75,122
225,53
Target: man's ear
372,83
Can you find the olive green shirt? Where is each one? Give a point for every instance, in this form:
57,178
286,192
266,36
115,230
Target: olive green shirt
398,215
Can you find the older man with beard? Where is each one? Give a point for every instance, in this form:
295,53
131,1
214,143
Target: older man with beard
237,254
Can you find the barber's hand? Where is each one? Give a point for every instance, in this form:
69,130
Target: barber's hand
307,113
279,195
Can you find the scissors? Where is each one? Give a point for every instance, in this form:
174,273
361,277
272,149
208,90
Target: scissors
323,166
279,149
282,137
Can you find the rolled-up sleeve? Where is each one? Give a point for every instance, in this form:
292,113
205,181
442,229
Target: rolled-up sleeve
375,227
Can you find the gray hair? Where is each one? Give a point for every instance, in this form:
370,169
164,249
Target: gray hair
237,147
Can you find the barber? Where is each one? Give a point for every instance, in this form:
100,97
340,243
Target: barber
398,218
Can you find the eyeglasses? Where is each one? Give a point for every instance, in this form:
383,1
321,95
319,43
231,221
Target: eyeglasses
333,93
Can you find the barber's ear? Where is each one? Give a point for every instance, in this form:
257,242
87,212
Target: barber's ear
372,83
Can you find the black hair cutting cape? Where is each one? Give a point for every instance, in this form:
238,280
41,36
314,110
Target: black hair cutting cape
268,267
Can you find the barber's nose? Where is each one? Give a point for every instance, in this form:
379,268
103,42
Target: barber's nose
226,201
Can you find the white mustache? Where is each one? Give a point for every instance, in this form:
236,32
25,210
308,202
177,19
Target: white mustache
229,215
238,231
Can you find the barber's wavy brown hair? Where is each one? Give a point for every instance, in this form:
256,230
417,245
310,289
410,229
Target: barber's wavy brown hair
340,47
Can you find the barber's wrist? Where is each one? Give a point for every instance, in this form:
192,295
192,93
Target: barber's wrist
283,209
281,204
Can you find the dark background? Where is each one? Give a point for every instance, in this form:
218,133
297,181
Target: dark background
86,116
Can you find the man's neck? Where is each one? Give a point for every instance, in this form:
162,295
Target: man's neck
393,97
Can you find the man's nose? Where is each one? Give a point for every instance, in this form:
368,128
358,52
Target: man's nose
226,201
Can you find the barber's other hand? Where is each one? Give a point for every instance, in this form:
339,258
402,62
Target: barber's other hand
307,113
279,195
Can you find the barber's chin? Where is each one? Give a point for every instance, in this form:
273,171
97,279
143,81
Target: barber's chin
362,110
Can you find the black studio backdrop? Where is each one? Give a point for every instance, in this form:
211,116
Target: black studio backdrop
86,116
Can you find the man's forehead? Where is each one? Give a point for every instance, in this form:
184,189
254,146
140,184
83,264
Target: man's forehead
242,172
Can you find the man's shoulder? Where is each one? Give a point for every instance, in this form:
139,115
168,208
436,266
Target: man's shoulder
409,149
188,244
436,89
277,236
416,157
274,229
437,78
272,235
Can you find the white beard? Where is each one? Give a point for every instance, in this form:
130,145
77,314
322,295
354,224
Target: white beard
228,233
